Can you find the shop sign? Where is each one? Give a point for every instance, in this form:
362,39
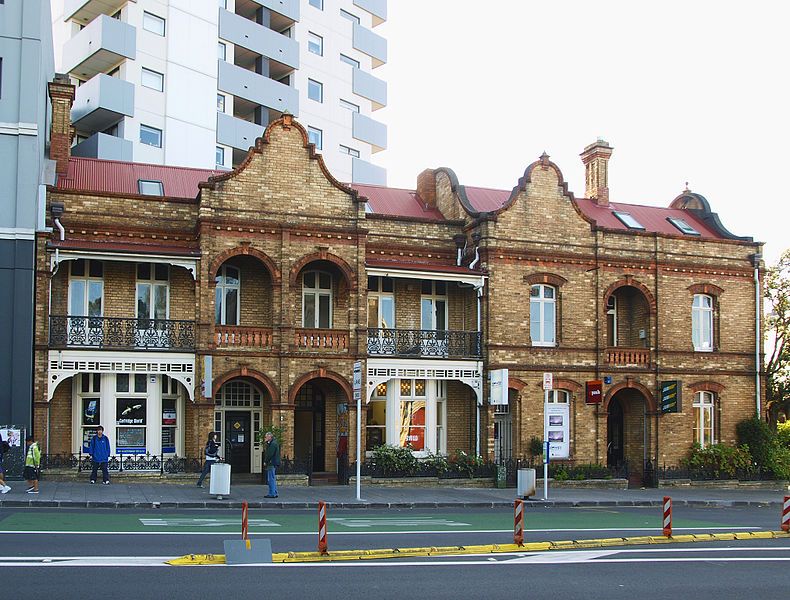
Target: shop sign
130,411
499,387
594,392
670,397
558,430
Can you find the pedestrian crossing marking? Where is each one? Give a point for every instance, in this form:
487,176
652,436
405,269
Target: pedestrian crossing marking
219,522
362,522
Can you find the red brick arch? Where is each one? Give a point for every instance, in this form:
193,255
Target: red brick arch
244,250
629,281
706,386
320,374
568,384
514,383
630,384
345,269
549,278
247,373
706,288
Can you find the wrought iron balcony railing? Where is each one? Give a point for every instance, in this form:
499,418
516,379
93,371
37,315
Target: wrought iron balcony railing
121,334
424,343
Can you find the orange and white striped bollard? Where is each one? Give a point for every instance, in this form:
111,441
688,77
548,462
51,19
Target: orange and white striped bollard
323,548
518,522
667,516
245,508
786,515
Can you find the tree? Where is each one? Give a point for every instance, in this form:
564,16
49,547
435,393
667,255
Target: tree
777,330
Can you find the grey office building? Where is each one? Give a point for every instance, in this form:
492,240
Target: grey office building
26,65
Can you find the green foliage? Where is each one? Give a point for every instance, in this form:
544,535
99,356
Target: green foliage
719,461
561,474
438,463
394,460
535,447
779,460
465,463
565,472
758,436
777,333
276,430
783,433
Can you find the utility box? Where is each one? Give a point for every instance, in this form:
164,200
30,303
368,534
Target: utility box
525,486
220,480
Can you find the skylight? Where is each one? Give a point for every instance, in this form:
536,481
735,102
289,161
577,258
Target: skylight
683,226
628,220
148,187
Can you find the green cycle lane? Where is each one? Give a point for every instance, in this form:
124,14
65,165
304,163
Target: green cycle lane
350,521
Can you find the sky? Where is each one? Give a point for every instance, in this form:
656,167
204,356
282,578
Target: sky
693,91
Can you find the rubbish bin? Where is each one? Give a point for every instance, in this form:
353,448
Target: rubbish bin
220,480
526,483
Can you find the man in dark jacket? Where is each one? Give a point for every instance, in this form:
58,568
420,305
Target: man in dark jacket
99,450
271,460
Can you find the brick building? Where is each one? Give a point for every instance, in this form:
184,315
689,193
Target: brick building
174,302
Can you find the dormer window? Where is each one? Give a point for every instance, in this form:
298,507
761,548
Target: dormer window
148,187
683,226
628,220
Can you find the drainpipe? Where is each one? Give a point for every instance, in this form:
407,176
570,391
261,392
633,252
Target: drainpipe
56,209
480,338
756,259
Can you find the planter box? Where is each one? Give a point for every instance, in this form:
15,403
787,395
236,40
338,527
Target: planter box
597,484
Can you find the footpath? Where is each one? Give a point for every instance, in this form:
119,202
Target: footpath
77,494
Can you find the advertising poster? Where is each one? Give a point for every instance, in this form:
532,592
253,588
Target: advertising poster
558,430
413,425
168,412
90,411
12,436
130,411
130,438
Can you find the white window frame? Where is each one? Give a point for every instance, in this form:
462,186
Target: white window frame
353,62
704,404
702,317
87,280
611,309
316,293
378,294
316,137
350,16
219,153
151,283
319,4
412,397
151,130
349,105
315,43
349,151
150,187
558,397
221,100
542,301
149,19
434,297
312,85
380,395
222,51
224,288
156,80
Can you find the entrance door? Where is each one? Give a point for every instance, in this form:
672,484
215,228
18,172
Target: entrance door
309,427
503,428
615,446
238,441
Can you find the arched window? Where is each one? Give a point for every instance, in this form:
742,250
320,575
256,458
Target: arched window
317,300
559,396
702,323
703,418
227,296
542,315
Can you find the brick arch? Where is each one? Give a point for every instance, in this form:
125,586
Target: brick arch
705,288
569,384
514,383
629,281
549,278
706,386
630,384
342,265
320,374
245,372
244,250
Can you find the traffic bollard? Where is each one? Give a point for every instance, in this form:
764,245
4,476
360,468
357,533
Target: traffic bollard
786,515
518,522
323,548
244,523
667,516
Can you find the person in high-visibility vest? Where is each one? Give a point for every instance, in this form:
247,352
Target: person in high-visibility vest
32,464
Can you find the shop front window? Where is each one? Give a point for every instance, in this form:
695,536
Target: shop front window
412,414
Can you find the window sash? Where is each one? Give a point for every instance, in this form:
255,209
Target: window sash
702,323
542,315
704,419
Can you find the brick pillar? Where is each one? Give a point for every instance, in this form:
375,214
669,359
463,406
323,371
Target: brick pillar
283,416
596,170
426,187
61,94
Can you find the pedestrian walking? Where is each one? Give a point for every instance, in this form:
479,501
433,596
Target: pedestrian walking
271,460
99,450
32,464
4,447
211,452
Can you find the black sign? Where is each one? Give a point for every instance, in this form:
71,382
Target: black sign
90,411
594,392
670,397
130,411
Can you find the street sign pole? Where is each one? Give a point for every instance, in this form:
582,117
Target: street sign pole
548,385
358,398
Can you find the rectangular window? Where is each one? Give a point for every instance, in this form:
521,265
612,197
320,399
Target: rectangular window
315,90
412,414
683,226
542,313
122,383
316,136
628,220
150,136
376,428
349,151
350,16
222,51
220,156
148,187
349,105
153,23
315,43
349,61
152,79
90,412
130,438
221,103
702,323
319,4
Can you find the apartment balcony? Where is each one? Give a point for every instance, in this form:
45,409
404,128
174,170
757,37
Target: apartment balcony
628,357
257,88
85,11
377,8
258,39
364,172
370,87
288,9
102,102
372,44
369,131
99,47
335,340
102,145
237,133
236,336
424,343
110,333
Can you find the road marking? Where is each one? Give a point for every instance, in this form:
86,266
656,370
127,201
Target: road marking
396,522
222,522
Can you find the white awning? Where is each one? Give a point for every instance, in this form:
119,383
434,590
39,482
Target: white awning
477,281
190,264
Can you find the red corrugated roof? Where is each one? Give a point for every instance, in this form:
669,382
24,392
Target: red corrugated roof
396,201
112,176
486,199
652,218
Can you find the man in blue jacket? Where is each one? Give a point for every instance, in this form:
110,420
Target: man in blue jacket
100,453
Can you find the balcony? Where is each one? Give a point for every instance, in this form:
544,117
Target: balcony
424,343
110,333
237,133
377,8
370,87
257,88
258,39
370,43
102,102
364,172
287,8
628,357
369,131
235,336
99,47
321,339
86,11
102,145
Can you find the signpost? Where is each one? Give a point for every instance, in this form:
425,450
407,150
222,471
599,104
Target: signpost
358,399
548,385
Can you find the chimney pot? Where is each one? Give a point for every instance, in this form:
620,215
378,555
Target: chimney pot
426,187
61,94
596,164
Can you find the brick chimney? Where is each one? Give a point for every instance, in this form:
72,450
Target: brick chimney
596,175
426,187
61,94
